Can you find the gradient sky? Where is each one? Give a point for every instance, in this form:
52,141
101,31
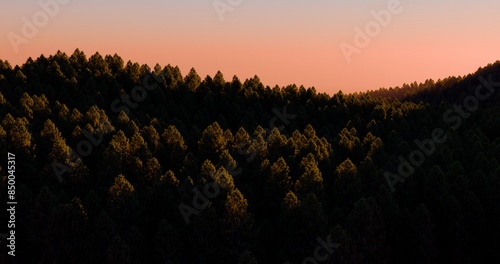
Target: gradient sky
281,41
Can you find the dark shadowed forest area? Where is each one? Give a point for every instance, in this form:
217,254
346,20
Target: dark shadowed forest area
122,163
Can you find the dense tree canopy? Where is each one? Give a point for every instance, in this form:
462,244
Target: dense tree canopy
121,163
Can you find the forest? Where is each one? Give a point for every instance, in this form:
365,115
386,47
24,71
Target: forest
117,162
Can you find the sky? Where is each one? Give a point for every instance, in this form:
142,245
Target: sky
331,45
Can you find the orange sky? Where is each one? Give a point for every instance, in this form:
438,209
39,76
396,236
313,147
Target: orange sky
282,42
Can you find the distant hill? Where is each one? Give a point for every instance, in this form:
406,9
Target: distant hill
450,89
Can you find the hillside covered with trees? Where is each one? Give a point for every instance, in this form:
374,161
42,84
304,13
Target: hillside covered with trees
118,162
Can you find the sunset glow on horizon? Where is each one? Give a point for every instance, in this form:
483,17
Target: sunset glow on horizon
282,42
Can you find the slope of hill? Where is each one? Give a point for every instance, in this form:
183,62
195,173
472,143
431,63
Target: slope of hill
122,163
450,89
